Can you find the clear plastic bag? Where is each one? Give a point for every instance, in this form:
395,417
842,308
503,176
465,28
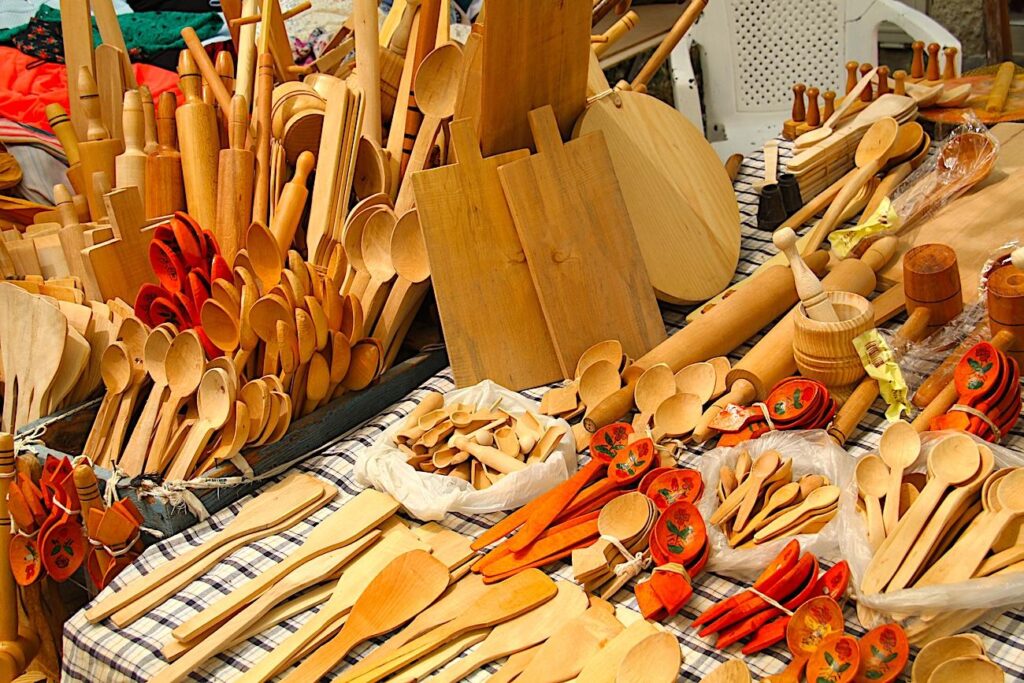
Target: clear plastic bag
909,605
812,452
431,496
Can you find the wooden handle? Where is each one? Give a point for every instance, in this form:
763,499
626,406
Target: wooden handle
149,120
238,123
400,38
264,104
682,25
89,97
832,217
206,68
624,25
742,392
1000,88
812,294
8,590
166,129
133,122
364,15
65,132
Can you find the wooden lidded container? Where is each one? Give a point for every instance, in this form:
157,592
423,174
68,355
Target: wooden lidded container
1006,306
931,278
824,350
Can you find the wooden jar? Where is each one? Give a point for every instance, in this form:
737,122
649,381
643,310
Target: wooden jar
1006,306
931,279
824,350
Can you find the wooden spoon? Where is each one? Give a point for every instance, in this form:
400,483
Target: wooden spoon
819,499
610,350
116,371
364,365
872,478
183,368
952,461
604,665
699,379
133,335
409,255
376,252
676,416
655,659
654,386
836,660
899,448
623,518
402,590
973,669
763,467
598,381
785,495
732,671
216,401
564,654
221,325
264,254
520,633
941,650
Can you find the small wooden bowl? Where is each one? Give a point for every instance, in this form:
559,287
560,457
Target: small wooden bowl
824,350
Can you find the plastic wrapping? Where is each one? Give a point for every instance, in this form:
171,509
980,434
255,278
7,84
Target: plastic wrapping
908,605
432,496
812,452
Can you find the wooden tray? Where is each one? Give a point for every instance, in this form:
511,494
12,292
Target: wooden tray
65,434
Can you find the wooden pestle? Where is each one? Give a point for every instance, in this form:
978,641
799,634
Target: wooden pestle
291,203
721,330
812,296
200,143
98,151
234,183
949,394
165,186
930,273
65,132
130,166
772,359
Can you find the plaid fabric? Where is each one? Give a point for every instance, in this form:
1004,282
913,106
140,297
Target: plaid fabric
102,653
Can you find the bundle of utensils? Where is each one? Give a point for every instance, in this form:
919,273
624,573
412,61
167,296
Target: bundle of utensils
679,549
989,395
793,403
791,579
113,532
478,444
963,523
760,501
50,351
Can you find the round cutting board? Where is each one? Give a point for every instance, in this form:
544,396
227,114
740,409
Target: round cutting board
679,196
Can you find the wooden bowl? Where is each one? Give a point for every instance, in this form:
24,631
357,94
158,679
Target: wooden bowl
824,350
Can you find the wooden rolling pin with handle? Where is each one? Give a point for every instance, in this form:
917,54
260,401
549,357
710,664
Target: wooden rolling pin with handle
200,144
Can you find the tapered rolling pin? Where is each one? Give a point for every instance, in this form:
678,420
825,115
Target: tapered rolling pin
200,144
934,297
364,14
130,166
720,331
949,394
772,359
165,187
291,203
262,114
65,132
99,150
234,183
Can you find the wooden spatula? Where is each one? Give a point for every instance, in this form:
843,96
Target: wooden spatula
564,654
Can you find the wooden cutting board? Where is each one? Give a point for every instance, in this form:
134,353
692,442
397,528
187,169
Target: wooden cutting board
979,222
485,295
677,192
121,265
534,53
584,258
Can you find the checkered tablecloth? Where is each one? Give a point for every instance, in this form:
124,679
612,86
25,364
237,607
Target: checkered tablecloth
101,653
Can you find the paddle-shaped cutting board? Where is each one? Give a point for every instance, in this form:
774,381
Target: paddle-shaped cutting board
485,295
677,192
584,259
534,53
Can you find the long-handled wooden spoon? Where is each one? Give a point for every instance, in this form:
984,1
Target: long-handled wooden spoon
183,366
899,448
872,478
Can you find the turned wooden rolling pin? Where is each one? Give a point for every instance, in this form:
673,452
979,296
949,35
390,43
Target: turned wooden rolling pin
130,166
721,330
8,590
200,144
948,396
165,187
1000,88
98,151
931,280
616,31
291,203
772,359
234,183
364,15
65,132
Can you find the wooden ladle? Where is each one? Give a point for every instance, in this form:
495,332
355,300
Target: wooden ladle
899,449
872,478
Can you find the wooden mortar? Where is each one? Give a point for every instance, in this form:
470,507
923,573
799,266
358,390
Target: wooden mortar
931,280
824,350
1006,306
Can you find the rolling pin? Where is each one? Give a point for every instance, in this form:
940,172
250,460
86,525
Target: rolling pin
130,166
624,25
65,132
364,15
200,144
771,359
949,394
291,203
98,151
234,183
245,74
262,113
931,283
209,73
225,66
149,118
1000,88
165,189
720,331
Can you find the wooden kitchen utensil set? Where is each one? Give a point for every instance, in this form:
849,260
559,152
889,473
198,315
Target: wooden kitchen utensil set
478,444
760,501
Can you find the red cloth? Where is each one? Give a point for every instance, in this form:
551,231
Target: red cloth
25,92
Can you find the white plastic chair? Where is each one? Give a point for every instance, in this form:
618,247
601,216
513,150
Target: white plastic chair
753,51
